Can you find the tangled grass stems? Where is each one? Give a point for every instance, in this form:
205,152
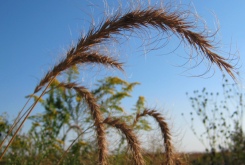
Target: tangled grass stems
164,130
132,139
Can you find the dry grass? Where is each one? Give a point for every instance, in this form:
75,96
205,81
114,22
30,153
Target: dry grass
97,116
94,107
130,136
137,20
165,132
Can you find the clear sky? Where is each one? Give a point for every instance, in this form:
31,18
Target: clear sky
33,34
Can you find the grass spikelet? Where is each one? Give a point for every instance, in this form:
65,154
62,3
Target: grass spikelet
74,59
137,19
165,132
130,136
164,21
97,116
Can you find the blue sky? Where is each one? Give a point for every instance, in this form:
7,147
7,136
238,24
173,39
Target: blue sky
35,33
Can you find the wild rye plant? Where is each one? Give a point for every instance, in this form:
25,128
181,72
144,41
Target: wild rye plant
89,50
65,110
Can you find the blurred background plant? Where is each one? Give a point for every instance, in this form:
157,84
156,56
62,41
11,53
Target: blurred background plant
66,113
222,118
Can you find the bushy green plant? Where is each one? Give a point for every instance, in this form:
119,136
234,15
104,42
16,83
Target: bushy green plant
65,108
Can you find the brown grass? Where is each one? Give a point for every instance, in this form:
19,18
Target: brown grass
137,20
132,139
122,126
97,116
74,58
165,132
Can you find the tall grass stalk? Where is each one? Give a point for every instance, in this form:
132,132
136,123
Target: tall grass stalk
15,123
26,117
164,130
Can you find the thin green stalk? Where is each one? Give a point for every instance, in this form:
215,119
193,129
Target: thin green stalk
27,116
15,123
23,115
72,144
